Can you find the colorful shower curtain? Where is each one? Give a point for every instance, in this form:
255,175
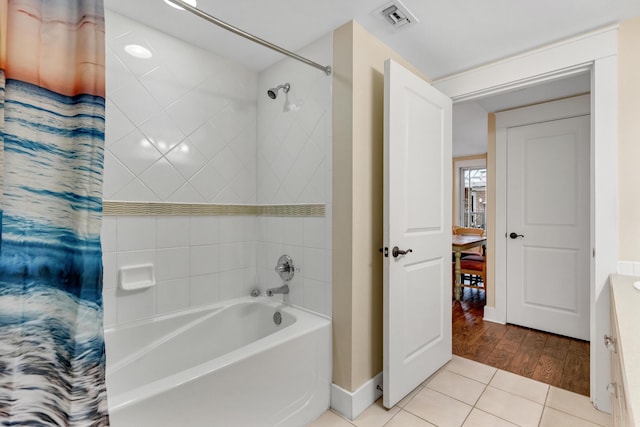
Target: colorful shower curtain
52,359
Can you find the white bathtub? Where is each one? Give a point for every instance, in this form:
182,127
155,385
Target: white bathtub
227,365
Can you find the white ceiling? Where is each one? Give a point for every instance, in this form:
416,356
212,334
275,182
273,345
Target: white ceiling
451,36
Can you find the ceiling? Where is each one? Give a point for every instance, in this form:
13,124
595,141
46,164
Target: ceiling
470,125
451,35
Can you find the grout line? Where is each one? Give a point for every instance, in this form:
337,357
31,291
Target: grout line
417,416
472,408
492,376
493,415
453,398
546,398
478,399
541,415
577,416
394,415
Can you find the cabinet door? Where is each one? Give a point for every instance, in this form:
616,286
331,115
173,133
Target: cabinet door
617,393
618,405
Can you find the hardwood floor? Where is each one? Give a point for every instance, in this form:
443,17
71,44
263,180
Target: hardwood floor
553,359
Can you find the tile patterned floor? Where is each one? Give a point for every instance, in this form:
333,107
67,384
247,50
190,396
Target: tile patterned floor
469,394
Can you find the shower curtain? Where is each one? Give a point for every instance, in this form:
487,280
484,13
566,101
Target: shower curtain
52,355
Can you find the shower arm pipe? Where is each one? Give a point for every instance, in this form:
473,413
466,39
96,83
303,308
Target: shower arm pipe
249,36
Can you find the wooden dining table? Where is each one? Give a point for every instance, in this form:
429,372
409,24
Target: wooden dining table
461,243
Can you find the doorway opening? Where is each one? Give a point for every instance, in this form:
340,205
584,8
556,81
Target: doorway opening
495,344
472,128
594,53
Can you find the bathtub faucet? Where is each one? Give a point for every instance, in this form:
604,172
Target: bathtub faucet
284,289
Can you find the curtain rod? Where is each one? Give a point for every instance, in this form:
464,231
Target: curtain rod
249,36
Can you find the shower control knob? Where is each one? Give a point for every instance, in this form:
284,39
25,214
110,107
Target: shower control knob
285,268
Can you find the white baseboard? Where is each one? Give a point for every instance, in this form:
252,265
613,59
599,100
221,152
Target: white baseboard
492,315
352,404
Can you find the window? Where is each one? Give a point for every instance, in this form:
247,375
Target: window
473,197
470,191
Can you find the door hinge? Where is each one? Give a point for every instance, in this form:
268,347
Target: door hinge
384,251
594,252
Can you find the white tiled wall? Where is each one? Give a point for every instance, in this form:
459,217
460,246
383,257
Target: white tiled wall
182,127
294,148
198,261
629,268
305,240
294,166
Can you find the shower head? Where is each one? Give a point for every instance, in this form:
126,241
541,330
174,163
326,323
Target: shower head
273,92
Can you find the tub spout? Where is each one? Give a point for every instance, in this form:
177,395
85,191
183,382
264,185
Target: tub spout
284,289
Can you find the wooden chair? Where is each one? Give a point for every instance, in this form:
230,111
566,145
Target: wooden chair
476,267
468,231
472,262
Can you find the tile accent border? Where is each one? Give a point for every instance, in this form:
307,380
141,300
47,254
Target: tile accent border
111,208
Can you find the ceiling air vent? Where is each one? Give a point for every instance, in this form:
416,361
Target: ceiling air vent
396,14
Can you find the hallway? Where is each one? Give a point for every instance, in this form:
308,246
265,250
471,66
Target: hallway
552,359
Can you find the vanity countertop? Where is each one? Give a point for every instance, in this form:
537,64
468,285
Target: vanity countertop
626,300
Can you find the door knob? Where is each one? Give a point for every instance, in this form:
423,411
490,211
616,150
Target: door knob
515,235
397,252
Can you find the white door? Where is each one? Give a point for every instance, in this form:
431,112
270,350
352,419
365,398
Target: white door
417,216
548,223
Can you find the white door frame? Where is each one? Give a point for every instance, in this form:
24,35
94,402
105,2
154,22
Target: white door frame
595,52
